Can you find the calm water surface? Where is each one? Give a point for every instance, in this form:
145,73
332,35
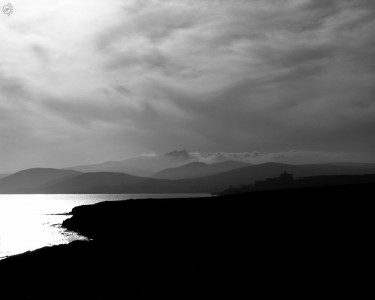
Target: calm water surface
27,221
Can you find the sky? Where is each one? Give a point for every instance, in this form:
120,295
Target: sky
89,81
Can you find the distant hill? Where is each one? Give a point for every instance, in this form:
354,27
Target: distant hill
90,183
283,183
250,174
64,181
117,183
3,175
31,178
148,165
144,165
198,169
351,164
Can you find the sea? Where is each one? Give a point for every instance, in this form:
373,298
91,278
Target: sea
29,222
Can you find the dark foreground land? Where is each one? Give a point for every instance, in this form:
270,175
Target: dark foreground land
292,243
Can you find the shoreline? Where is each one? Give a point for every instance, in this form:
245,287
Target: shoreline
288,240
53,220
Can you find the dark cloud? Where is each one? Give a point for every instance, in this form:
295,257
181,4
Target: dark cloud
149,76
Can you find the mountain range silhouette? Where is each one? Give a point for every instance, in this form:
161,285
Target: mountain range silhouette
189,178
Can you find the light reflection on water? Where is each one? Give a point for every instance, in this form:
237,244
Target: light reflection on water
26,222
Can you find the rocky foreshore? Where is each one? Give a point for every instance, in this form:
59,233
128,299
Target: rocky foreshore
295,243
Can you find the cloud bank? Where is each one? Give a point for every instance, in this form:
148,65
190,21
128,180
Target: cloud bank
85,82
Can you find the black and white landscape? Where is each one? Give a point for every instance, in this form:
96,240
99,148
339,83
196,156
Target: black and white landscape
266,107
187,175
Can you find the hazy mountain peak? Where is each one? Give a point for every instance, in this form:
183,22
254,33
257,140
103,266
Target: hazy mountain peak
198,169
178,154
146,165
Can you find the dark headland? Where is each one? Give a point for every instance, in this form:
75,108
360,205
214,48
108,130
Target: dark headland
311,242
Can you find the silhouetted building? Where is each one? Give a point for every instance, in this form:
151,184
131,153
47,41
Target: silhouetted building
283,181
287,181
286,176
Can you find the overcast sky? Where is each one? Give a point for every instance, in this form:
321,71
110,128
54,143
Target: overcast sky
88,81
